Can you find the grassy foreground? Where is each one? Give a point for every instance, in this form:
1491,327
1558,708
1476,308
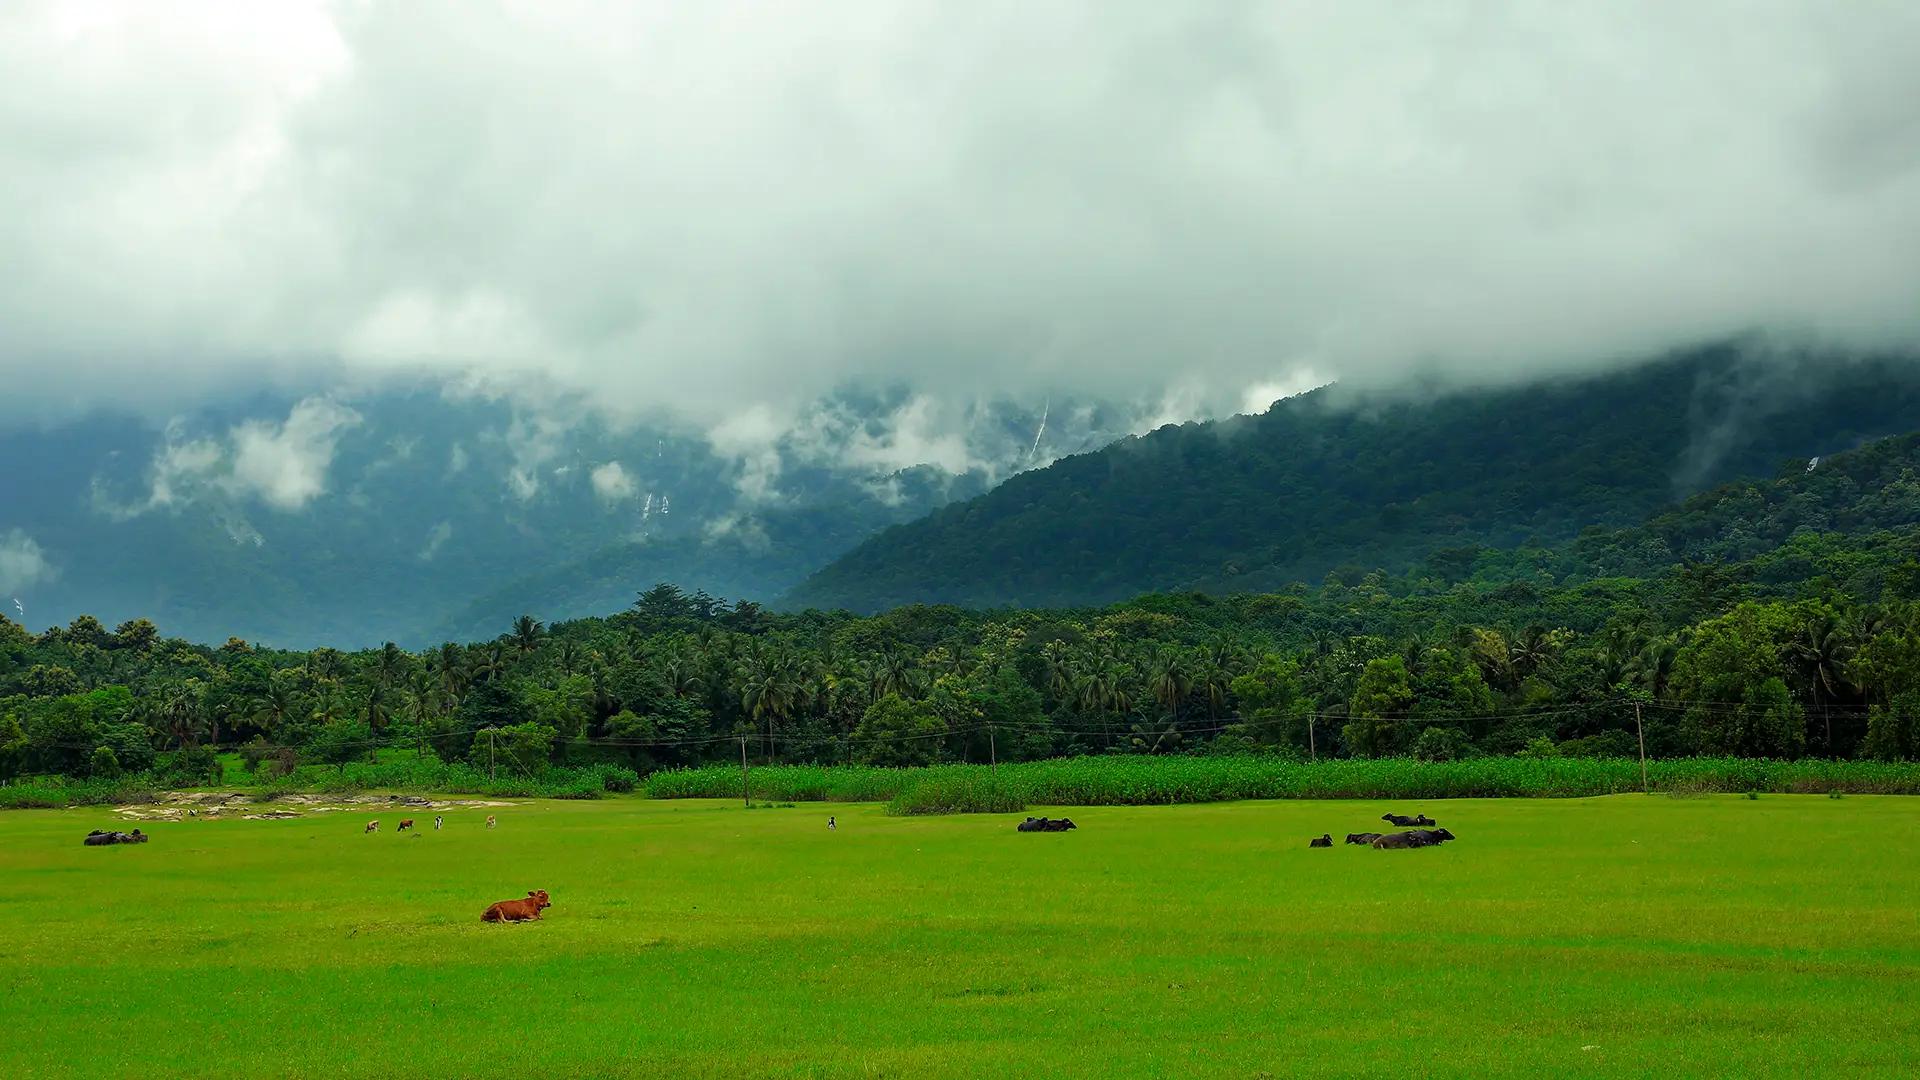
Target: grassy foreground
1620,936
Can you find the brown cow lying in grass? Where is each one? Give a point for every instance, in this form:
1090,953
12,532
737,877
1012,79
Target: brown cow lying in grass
518,910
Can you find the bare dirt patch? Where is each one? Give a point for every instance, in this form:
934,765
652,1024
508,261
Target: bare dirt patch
182,805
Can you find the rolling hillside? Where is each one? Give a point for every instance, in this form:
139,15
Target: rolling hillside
1332,480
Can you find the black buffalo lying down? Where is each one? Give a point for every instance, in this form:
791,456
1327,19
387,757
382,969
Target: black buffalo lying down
1362,837
1415,838
1323,840
1403,820
1041,824
97,838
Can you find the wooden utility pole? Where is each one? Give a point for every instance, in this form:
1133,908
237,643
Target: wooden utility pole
1313,752
1642,733
745,795
993,753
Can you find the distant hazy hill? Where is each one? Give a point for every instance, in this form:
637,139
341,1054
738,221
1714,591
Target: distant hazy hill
1327,480
405,515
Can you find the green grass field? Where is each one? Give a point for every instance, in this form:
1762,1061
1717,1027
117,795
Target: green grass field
1621,936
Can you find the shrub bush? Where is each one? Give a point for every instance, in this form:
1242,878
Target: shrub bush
957,793
1141,780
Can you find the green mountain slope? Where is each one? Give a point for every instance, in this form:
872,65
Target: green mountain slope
1328,480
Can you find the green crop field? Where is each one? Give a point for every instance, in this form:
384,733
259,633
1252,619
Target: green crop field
1621,936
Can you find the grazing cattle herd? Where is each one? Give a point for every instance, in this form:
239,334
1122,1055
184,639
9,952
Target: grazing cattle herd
1412,838
528,909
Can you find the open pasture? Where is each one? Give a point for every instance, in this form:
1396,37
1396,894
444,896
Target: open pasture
1620,936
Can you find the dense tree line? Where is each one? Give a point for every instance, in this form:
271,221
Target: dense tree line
681,679
1773,618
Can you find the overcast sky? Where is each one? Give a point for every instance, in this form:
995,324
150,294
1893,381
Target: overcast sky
715,208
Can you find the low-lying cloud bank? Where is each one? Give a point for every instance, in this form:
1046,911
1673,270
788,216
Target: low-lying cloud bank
720,211
283,464
23,564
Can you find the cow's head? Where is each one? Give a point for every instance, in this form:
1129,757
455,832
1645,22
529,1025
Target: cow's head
539,898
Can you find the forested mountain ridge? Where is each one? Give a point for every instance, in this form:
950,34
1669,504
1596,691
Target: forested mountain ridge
1325,480
1768,618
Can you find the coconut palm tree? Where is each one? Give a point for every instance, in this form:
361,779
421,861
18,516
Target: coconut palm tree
771,689
1212,682
450,663
1102,690
1060,668
526,634
388,663
1619,645
681,670
1653,667
181,712
324,664
272,706
422,705
893,672
1533,649
330,707
379,710
491,663
1824,648
1169,679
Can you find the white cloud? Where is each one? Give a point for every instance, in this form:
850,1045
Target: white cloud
611,482
283,464
179,465
535,441
1261,396
913,435
23,563
751,437
742,528
715,207
436,538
